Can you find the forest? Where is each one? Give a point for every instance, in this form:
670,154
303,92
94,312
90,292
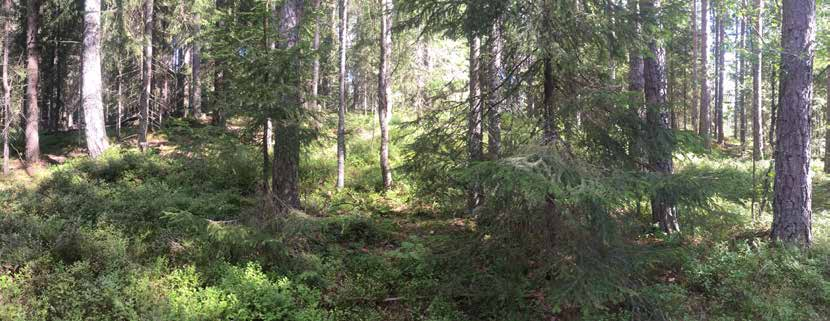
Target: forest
401,160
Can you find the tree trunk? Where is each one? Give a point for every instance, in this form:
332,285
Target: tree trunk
315,66
285,175
827,124
494,97
741,80
119,117
705,115
7,89
757,39
660,158
92,87
695,44
475,117
147,74
792,213
721,70
341,110
196,69
33,75
549,133
385,90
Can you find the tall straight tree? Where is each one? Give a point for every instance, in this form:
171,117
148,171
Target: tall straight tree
33,77
385,89
7,88
636,82
695,44
92,86
705,116
792,213
741,77
757,55
147,76
196,69
494,99
475,134
827,123
660,155
285,174
315,65
721,67
341,108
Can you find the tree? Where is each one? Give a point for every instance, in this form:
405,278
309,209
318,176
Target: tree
475,134
792,212
7,88
385,89
757,40
285,174
96,131
705,115
741,78
341,108
720,51
147,75
494,98
33,76
827,123
660,155
315,66
196,72
695,44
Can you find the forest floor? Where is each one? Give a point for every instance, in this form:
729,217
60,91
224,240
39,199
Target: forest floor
182,233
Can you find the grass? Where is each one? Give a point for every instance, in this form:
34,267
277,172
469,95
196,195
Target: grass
182,233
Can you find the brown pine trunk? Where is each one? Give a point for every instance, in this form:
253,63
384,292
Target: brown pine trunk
757,36
147,75
475,134
196,69
33,75
7,89
705,115
92,86
385,90
549,133
695,44
285,175
741,81
341,110
792,213
494,97
721,71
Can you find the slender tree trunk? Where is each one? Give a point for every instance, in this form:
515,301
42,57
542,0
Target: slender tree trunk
7,88
660,159
385,90
827,124
33,75
494,92
315,66
120,103
757,81
721,70
475,117
285,175
792,213
147,74
341,110
196,69
695,62
705,115
742,81
92,87
549,133
738,79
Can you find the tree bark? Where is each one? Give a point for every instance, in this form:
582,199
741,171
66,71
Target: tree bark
695,45
315,65
33,75
7,89
385,90
494,96
792,213
147,75
827,124
741,80
475,133
705,115
721,71
660,158
341,110
196,69
757,81
92,86
285,175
